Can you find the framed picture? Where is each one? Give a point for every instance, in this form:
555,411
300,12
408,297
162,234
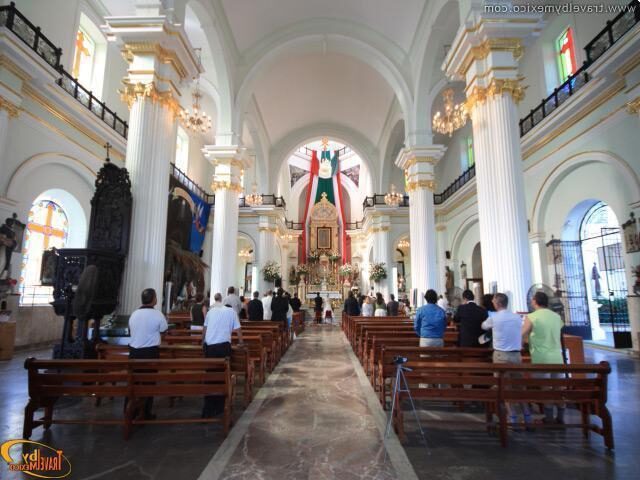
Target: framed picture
324,238
248,277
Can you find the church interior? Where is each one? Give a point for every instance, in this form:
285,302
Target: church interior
360,173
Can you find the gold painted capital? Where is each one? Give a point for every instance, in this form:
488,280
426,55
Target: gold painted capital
482,51
12,109
217,185
498,86
132,92
633,106
441,228
163,55
419,184
418,160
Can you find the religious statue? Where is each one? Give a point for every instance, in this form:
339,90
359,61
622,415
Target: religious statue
449,278
463,270
10,237
595,277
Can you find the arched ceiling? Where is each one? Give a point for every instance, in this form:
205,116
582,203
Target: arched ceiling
328,88
252,21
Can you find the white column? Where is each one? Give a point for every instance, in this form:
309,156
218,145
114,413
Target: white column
418,164
485,53
381,251
152,130
160,58
266,249
441,255
228,163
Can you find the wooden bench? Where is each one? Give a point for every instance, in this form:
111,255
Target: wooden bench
497,384
50,380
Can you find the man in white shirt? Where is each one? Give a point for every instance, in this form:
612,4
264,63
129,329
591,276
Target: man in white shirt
507,343
266,305
443,303
219,324
232,300
145,326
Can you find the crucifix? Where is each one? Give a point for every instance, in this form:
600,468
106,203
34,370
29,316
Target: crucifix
81,49
107,146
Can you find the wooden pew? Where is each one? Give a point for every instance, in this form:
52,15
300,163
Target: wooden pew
50,380
501,383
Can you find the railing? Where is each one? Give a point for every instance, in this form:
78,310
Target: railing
458,183
189,184
291,225
266,200
355,225
613,32
31,35
308,152
12,19
602,42
378,199
86,98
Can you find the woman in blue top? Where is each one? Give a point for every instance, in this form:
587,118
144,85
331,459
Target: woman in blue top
430,322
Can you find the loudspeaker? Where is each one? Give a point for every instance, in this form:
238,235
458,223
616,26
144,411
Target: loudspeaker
447,254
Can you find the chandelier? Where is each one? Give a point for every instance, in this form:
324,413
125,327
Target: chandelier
455,115
402,244
245,253
288,237
196,120
254,199
393,198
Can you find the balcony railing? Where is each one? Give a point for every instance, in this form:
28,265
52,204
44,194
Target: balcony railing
27,32
189,184
378,199
308,152
291,225
267,200
458,183
355,225
98,108
602,42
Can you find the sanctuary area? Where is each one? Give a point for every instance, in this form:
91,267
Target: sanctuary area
338,239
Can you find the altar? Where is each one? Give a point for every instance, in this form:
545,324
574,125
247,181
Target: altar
326,294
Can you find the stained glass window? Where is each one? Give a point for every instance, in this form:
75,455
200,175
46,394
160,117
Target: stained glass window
467,159
566,55
47,227
84,58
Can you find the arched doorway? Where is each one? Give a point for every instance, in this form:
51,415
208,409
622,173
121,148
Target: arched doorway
603,260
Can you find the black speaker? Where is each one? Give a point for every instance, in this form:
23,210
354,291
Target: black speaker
447,254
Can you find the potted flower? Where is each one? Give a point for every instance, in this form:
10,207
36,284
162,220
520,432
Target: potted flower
302,270
314,256
346,270
334,257
377,271
271,271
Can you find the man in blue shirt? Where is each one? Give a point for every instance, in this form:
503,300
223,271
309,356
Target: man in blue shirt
430,322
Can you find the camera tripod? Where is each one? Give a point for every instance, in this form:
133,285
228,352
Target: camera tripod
403,387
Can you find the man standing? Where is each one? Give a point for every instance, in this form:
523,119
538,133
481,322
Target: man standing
543,328
296,303
430,322
255,307
351,306
266,305
469,318
145,326
507,342
279,307
232,300
219,324
393,306
317,302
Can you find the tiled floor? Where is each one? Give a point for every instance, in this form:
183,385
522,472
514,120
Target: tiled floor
317,418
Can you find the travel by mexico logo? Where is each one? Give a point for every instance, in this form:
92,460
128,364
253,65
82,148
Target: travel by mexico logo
36,459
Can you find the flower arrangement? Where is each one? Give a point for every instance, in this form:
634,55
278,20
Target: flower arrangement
377,271
346,270
271,271
313,256
334,257
302,269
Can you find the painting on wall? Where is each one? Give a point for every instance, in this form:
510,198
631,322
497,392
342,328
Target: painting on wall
324,238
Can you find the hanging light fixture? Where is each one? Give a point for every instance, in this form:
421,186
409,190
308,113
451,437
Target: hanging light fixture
196,120
254,199
393,198
455,115
245,253
403,244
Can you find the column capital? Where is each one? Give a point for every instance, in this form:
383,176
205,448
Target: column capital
158,53
441,227
229,162
428,155
633,106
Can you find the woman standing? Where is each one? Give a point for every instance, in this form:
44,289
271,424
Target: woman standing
367,307
381,307
198,312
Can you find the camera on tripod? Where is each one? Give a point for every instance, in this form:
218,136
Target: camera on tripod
398,360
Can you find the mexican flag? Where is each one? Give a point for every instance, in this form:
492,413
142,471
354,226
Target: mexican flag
324,178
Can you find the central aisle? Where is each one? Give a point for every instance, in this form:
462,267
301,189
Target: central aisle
316,417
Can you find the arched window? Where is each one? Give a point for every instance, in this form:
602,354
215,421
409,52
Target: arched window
89,58
566,50
47,227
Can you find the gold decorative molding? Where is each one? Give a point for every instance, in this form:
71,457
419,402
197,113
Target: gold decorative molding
482,51
441,228
417,160
12,109
633,106
130,50
418,184
133,92
498,86
8,64
225,185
